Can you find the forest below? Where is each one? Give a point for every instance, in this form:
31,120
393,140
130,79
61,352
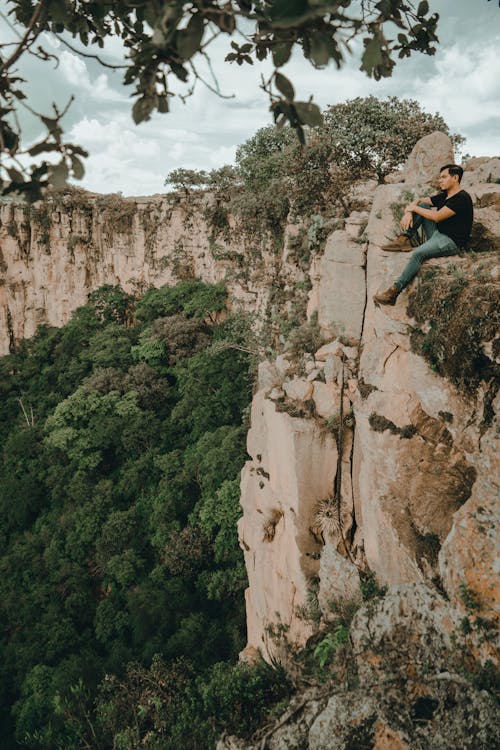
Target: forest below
121,589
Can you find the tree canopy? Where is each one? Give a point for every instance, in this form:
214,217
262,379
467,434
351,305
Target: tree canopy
362,138
123,436
165,41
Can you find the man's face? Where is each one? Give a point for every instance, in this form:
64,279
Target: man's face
446,180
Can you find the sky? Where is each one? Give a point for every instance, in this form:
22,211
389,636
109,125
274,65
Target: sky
461,82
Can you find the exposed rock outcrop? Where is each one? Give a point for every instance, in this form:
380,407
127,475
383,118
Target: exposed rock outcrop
408,693
416,461
53,254
429,154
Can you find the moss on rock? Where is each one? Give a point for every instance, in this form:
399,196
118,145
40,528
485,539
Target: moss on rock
457,312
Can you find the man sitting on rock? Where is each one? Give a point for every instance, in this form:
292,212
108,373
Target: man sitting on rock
446,229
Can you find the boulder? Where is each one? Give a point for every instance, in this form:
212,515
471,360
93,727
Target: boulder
410,625
346,723
326,397
429,154
298,389
481,169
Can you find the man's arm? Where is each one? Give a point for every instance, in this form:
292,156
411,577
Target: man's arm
427,213
407,218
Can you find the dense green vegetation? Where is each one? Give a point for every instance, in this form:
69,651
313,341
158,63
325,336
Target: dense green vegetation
121,587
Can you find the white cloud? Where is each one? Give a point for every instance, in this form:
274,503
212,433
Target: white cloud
75,72
118,140
466,84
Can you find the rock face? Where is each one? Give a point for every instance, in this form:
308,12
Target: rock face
417,479
54,254
429,154
408,693
292,471
339,289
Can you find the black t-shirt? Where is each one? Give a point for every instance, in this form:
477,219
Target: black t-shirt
458,227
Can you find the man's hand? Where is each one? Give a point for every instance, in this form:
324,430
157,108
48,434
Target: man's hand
407,221
411,207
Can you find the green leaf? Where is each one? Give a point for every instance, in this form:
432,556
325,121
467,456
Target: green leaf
53,127
10,138
284,86
320,48
261,51
189,39
142,109
15,175
58,174
372,56
309,113
79,150
226,22
423,8
58,12
41,148
180,71
77,167
288,12
163,104
281,53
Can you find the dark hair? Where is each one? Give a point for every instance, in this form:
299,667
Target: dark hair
453,169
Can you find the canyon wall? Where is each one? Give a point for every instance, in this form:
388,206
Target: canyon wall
54,254
363,457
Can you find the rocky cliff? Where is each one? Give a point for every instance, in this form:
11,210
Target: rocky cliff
374,454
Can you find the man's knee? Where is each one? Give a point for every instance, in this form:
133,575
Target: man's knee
424,204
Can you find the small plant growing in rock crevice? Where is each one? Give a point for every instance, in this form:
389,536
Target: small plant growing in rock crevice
306,338
379,423
468,597
330,644
370,587
397,207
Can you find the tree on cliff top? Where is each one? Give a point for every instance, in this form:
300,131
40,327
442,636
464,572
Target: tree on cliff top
372,137
166,40
362,138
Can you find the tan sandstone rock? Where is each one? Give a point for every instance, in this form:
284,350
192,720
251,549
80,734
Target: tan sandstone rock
429,154
298,389
483,169
293,467
469,560
339,295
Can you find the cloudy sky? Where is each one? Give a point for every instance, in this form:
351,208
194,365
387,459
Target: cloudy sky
462,82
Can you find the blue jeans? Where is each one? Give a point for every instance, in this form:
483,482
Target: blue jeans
436,246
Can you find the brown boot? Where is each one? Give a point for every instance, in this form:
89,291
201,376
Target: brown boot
401,244
388,297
